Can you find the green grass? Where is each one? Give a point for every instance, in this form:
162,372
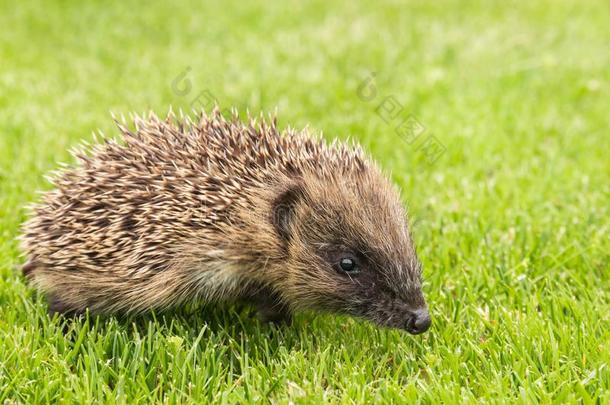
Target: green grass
512,221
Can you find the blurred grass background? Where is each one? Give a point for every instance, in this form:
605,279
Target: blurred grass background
512,221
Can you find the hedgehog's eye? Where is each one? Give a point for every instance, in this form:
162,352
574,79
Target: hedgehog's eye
348,265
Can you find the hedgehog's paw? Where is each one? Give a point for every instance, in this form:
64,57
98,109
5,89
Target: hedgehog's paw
275,313
61,307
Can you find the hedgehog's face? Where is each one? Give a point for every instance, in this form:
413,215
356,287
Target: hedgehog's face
348,250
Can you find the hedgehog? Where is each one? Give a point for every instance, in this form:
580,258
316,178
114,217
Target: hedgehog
214,209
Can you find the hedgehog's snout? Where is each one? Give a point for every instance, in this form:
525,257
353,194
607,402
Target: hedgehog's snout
418,321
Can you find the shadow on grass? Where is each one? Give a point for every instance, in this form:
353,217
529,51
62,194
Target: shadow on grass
233,330
234,323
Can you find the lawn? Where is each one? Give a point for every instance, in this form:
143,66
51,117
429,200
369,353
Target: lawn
511,211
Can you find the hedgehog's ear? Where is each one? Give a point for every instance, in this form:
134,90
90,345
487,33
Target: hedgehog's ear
283,209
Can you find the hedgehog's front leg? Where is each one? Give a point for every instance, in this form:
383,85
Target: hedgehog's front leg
274,312
270,307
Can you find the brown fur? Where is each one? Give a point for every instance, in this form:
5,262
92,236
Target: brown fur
218,210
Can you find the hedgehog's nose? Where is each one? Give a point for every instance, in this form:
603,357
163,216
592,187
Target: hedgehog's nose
419,321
